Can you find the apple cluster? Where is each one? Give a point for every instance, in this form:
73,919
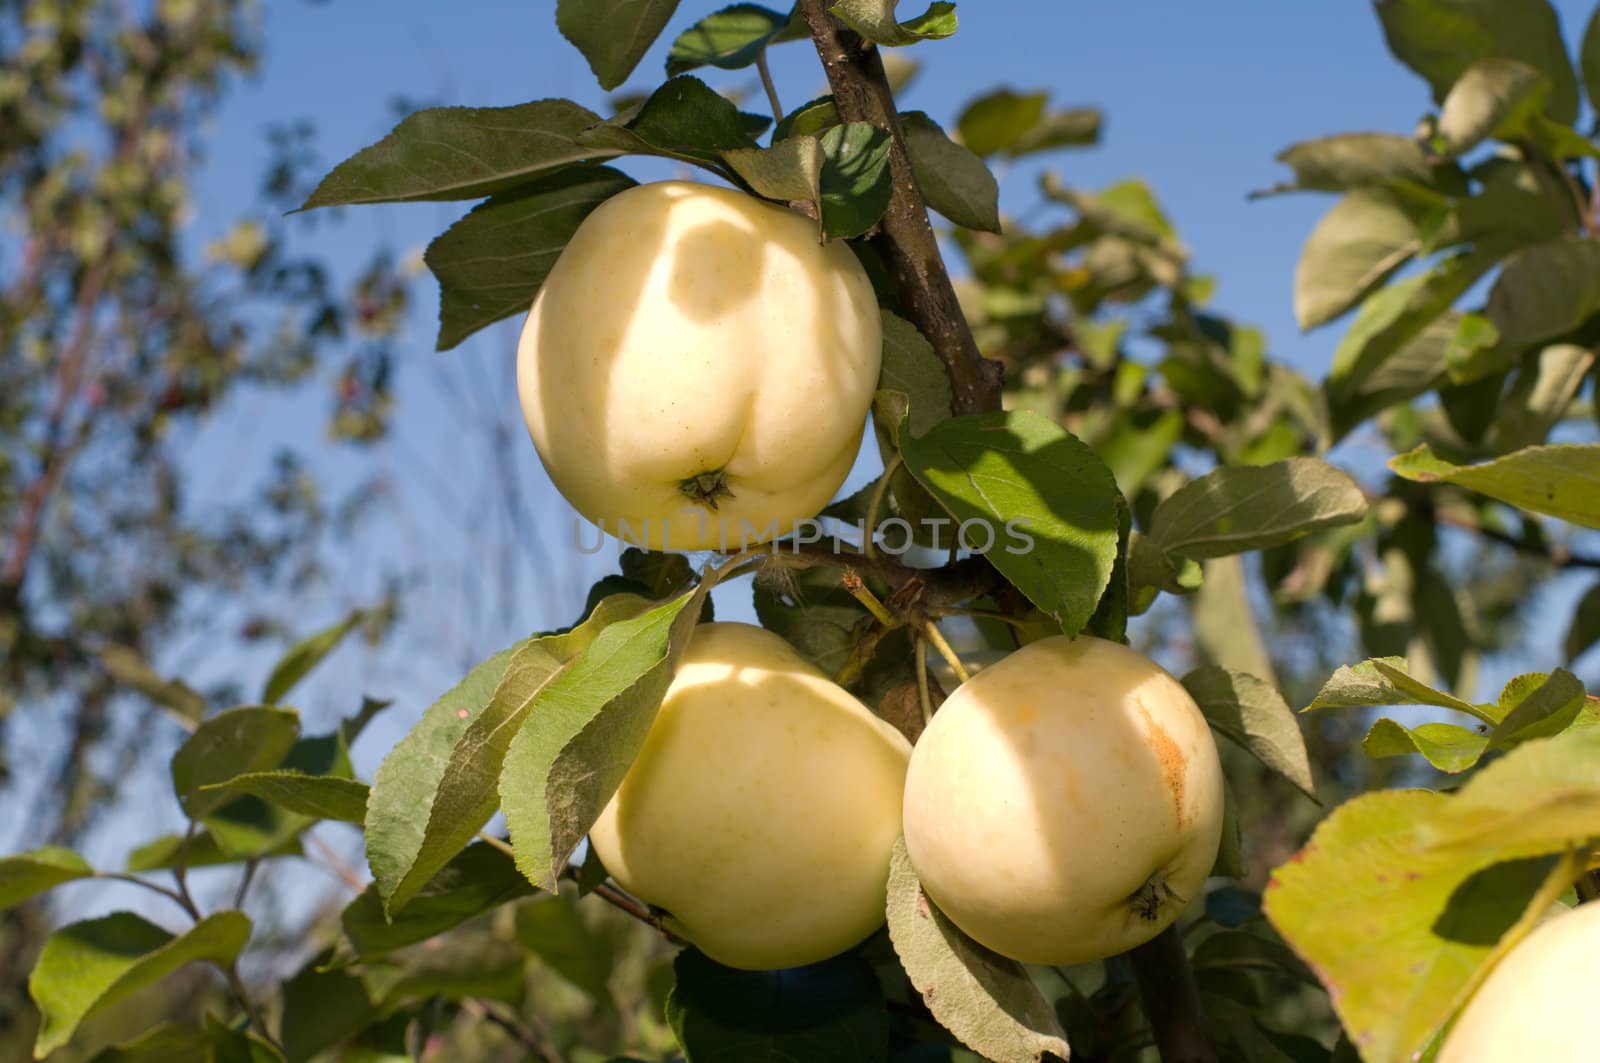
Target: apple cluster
1063,805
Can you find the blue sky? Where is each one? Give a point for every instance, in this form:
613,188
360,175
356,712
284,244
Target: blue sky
1198,98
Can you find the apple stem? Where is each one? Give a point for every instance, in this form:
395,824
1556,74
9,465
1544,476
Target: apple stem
861,93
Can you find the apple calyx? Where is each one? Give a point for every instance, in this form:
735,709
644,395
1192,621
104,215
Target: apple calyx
1149,899
706,488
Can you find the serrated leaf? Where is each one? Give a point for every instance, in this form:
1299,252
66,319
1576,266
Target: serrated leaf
1237,508
438,787
202,850
580,732
986,1000
1251,713
1492,98
88,966
25,875
1542,797
478,879
1349,160
856,183
1365,237
911,368
231,743
1446,746
731,39
954,181
492,262
552,929
451,153
1561,481
1397,930
318,796
1537,705
810,119
789,170
1019,470
1385,681
613,35
875,20
305,655
1440,39
829,1012
1584,631
1545,291
683,119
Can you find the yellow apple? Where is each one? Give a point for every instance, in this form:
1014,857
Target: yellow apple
696,370
762,810
1537,1002
1065,804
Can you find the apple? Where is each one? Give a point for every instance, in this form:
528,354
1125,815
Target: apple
1535,1004
763,808
697,368
1065,804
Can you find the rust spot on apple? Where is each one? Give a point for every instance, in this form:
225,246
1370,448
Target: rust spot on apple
1174,765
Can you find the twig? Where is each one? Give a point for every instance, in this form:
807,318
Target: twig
244,882
1171,1001
1558,555
868,547
521,1034
171,895
251,1009
924,698
931,632
346,873
622,902
767,83
861,93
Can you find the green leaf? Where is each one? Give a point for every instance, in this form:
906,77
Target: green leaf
305,655
1584,631
231,743
437,788
1589,59
911,368
613,35
986,1000
856,183
1225,627
810,119
1493,98
683,119
1110,618
954,181
1446,746
789,170
162,1044
1545,386
1537,705
1396,929
1440,39
1561,481
998,121
125,666
875,20
323,1009
26,874
478,879
552,929
1385,681
829,1012
201,851
1545,292
449,153
237,1046
580,732
814,613
1251,713
1017,470
1349,160
318,796
492,262
1236,508
85,967
1367,235
1072,127
731,39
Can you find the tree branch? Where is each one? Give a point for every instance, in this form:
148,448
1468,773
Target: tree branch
861,93
1171,1001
